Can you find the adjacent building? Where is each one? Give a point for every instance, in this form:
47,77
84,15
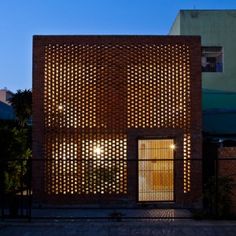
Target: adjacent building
117,119
217,29
218,34
5,96
6,110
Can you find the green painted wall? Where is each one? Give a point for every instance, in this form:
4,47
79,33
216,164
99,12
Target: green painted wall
219,115
175,28
217,28
219,100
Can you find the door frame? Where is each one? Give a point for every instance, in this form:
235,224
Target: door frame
137,168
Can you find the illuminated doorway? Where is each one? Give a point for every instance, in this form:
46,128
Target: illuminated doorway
156,170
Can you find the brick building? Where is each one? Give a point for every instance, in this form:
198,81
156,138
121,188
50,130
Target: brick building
117,119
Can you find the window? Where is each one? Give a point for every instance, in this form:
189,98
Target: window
212,59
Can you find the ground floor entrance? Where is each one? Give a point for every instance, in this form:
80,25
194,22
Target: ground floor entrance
156,169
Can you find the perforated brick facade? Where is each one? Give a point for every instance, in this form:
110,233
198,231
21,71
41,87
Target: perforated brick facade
94,96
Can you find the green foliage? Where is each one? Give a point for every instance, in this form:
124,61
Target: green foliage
15,151
15,146
22,105
218,193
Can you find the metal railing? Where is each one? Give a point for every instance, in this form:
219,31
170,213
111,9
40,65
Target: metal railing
23,202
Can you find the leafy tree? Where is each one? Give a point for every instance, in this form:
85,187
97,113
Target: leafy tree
15,151
15,146
22,105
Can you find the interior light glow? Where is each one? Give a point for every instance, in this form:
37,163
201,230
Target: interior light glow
60,107
97,150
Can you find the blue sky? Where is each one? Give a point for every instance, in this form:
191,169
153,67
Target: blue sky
20,19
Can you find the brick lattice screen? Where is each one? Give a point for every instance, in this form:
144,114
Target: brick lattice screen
92,91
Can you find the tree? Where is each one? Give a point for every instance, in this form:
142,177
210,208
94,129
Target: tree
15,146
15,152
21,102
14,165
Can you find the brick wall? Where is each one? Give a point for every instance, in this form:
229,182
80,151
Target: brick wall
100,94
227,167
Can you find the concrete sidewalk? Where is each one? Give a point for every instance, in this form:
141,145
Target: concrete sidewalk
124,228
94,213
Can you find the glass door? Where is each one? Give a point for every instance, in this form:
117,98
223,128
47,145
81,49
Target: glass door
156,169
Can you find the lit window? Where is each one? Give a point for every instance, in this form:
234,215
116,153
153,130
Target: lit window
212,59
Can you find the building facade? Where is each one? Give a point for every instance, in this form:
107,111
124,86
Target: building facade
5,96
6,110
217,29
218,34
117,119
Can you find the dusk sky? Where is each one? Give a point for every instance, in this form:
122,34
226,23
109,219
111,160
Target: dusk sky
21,19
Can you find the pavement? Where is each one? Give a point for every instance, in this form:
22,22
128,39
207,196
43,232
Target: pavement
114,222
98,213
175,227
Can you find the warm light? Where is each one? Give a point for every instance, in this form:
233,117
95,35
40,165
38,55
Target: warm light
156,179
60,107
97,150
172,146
